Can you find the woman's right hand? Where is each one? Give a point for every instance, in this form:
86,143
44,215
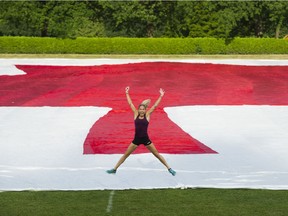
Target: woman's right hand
127,89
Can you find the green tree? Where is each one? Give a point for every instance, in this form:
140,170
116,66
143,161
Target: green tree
278,17
197,19
138,18
261,19
19,18
49,19
68,19
131,18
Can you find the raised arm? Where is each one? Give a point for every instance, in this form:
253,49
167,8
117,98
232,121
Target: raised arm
162,92
129,99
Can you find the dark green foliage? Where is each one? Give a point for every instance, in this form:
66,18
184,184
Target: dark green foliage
138,18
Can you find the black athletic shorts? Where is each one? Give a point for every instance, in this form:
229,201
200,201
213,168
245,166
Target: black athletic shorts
142,140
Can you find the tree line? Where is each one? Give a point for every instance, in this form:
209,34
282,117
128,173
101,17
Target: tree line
138,18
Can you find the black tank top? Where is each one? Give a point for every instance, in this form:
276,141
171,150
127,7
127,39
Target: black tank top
141,127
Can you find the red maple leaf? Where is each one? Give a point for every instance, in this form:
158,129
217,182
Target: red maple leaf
184,83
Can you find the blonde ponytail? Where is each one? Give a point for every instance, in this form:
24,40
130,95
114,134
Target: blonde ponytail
145,103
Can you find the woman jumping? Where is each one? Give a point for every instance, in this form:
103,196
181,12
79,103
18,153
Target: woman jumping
141,121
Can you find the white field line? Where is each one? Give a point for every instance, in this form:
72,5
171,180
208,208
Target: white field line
110,202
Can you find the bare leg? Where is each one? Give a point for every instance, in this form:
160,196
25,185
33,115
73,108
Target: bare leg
155,152
129,150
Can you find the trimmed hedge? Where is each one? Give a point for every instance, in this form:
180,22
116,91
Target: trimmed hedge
162,46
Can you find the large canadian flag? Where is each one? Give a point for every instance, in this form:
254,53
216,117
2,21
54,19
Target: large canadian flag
62,115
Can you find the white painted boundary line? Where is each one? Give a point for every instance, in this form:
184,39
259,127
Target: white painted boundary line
110,202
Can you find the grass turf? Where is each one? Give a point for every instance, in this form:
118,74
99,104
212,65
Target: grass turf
146,202
146,56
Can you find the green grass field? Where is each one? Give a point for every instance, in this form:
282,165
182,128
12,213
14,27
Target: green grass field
143,56
146,202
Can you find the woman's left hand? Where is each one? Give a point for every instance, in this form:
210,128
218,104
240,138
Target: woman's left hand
162,92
